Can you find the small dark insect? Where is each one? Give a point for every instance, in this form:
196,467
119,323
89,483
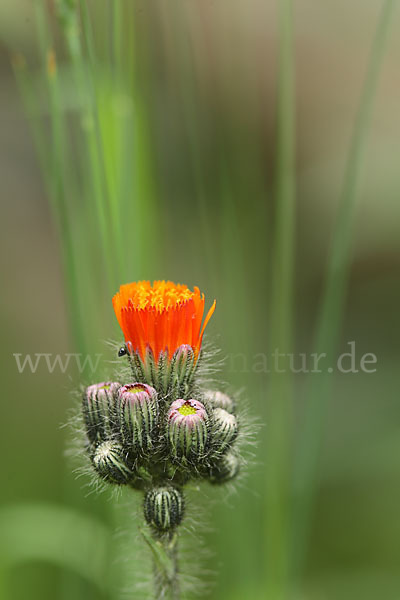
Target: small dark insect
122,351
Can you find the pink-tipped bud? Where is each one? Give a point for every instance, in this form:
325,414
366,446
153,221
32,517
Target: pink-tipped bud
179,371
98,407
184,358
138,409
220,400
187,423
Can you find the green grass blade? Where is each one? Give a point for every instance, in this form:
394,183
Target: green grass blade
331,313
53,162
281,326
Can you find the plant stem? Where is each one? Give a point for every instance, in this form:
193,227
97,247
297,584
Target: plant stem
167,584
165,559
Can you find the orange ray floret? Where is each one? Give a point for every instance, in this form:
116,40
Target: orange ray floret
161,317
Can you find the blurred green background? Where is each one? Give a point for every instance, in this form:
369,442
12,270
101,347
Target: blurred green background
153,149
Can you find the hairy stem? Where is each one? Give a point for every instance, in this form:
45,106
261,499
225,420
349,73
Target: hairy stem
164,548
166,581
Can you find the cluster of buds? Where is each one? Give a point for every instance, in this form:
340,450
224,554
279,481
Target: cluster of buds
120,423
159,429
138,436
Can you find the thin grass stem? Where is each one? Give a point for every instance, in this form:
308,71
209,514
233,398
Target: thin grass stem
281,320
333,300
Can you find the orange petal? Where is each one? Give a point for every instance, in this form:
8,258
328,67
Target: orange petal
208,317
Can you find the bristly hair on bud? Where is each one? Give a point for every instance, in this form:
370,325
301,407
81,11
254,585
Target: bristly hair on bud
110,461
98,406
164,508
225,429
225,469
181,371
187,429
220,400
173,376
136,404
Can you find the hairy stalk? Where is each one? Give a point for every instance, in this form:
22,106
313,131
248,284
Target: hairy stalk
164,548
166,582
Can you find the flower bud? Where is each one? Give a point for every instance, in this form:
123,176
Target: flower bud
225,469
175,373
187,428
220,400
225,429
137,406
183,363
162,371
109,460
98,407
163,508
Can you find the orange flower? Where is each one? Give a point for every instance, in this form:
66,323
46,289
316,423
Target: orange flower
161,317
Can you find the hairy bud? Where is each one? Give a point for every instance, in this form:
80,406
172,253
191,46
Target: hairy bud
182,365
164,508
225,469
220,400
98,407
187,428
164,372
137,406
109,460
225,429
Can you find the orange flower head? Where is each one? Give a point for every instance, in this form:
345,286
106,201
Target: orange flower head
161,317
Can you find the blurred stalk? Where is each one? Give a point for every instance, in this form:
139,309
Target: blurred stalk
116,35
178,19
280,390
53,164
105,207
139,208
96,159
332,306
